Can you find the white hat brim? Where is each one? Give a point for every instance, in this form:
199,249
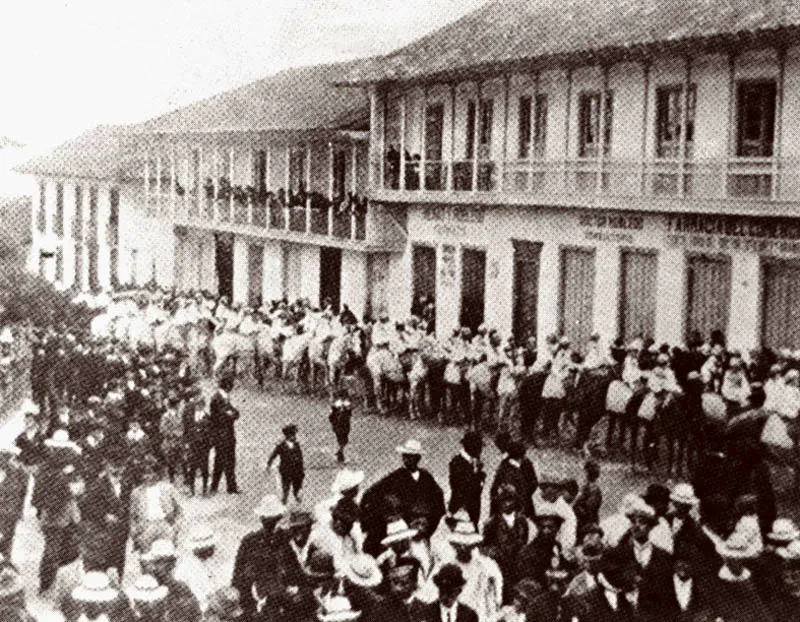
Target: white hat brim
339,616
411,452
406,534
471,539
106,595
684,500
373,580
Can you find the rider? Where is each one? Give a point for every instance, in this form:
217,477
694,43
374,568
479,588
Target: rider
382,331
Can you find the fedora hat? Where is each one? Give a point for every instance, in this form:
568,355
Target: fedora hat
735,547
784,530
295,520
450,576
363,570
396,531
347,479
464,533
147,590
411,447
60,440
790,552
684,494
270,507
640,508
337,608
95,588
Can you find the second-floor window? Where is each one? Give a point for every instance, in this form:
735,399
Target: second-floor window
194,171
532,126
485,119
41,213
434,129
113,218
77,218
339,173
260,170
297,170
755,114
594,125
58,217
670,101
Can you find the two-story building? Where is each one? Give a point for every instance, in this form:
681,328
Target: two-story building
621,167
257,193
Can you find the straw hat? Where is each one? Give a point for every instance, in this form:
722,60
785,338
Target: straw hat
790,552
270,507
683,494
60,440
160,549
639,507
397,531
295,520
363,570
201,538
411,447
95,588
735,547
784,530
347,479
464,533
337,608
147,590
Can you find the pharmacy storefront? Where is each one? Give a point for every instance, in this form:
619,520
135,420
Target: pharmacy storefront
532,271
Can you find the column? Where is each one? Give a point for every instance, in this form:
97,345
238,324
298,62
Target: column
240,269
744,331
309,273
49,238
549,287
273,275
33,252
476,134
69,245
448,289
103,250
671,297
402,184
354,281
308,188
330,188
398,297
376,142
606,292
231,171
500,287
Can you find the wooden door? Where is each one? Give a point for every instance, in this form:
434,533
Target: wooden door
526,289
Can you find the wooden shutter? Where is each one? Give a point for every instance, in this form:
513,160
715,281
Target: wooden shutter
709,285
526,289
473,287
781,305
638,294
577,295
424,267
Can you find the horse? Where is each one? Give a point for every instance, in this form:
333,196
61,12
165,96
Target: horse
318,348
342,350
294,350
387,375
231,347
587,399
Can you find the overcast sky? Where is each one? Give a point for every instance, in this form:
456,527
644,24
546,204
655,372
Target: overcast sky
69,65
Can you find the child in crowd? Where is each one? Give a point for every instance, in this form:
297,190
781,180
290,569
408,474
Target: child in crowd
341,414
290,469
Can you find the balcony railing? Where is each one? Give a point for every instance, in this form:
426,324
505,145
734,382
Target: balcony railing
763,179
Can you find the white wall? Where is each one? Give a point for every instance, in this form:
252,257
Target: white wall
354,281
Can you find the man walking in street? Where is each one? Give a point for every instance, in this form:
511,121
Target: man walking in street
222,416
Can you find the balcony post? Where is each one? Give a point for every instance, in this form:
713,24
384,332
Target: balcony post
231,157
501,172
252,179
286,209
532,132
601,156
215,181
158,184
402,181
423,140
330,188
646,106
146,180
382,161
687,85
565,181
775,187
267,171
354,188
373,124
450,170
172,176
308,188
476,134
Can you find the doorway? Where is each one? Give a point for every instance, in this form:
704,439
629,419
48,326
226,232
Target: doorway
224,263
330,277
473,287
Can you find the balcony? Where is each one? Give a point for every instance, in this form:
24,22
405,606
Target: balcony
741,184
355,224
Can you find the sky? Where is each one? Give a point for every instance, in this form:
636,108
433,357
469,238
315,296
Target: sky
69,65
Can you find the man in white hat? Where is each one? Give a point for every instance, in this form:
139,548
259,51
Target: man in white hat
404,487
346,485
197,570
160,561
257,551
685,530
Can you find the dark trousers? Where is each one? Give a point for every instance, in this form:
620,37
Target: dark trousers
8,528
225,463
291,484
60,549
198,463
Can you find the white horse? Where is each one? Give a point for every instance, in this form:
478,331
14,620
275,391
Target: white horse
343,347
293,351
387,375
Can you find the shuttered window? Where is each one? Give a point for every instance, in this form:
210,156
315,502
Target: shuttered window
709,291
526,289
781,305
638,294
577,295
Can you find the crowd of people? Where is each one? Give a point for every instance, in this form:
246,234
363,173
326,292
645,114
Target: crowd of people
118,431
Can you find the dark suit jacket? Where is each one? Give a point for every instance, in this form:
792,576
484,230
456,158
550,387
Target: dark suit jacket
593,607
522,478
466,484
656,576
222,416
671,610
433,613
257,557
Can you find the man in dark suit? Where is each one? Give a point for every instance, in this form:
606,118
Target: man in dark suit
404,488
106,518
467,477
612,599
517,472
222,416
685,599
450,581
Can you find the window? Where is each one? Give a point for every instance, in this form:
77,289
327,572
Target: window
485,129
755,108
260,171
540,125
434,127
524,127
194,174
669,109
113,218
77,218
590,127
41,213
339,174
297,170
532,126
470,130
58,218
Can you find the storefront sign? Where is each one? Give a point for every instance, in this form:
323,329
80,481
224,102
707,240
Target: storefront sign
469,214
611,227
779,236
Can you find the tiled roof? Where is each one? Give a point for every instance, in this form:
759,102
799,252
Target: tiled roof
295,99
505,32
106,152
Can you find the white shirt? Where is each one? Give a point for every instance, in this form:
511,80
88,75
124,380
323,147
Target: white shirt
642,553
199,576
154,509
683,591
449,615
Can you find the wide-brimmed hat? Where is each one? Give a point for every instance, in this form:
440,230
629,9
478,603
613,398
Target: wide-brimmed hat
95,588
346,479
337,608
790,552
60,440
363,570
736,547
224,603
683,494
640,508
784,530
396,531
147,590
201,538
160,549
295,520
270,507
464,533
450,576
411,447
